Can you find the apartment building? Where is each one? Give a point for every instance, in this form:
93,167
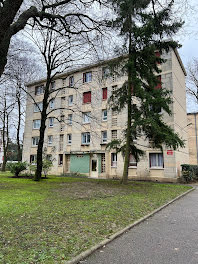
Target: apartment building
77,134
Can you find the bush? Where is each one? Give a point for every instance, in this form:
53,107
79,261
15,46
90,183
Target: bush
189,173
18,167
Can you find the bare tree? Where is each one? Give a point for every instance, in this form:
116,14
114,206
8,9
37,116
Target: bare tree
6,108
59,52
19,70
16,14
192,80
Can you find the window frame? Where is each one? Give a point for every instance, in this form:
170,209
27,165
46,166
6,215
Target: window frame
50,142
87,77
70,119
38,88
87,138
71,81
114,160
35,140
133,163
104,118
69,141
38,107
84,97
34,122
51,124
86,114
52,104
156,161
104,141
104,93
70,102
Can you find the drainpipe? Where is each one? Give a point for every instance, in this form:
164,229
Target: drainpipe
196,136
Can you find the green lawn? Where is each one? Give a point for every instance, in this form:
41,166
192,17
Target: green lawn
57,218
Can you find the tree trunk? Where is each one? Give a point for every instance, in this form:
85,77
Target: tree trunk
124,179
18,128
39,167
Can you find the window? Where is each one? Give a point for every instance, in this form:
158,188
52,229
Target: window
105,72
70,100
86,138
61,138
86,117
69,139
51,104
86,97
70,119
50,140
104,93
87,77
114,134
71,81
53,85
60,159
36,124
159,85
33,159
114,160
38,107
104,136
156,160
35,141
104,115
132,161
51,121
39,90
49,157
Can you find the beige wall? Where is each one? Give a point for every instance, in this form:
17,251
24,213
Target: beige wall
193,138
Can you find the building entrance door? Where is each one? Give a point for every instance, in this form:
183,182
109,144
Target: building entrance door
94,166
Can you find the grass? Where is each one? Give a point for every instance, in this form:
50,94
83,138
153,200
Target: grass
56,219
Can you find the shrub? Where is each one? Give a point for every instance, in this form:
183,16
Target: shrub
18,167
189,173
47,164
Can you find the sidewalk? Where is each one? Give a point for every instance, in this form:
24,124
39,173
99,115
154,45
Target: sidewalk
169,237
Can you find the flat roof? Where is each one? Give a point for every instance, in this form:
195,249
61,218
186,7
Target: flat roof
99,63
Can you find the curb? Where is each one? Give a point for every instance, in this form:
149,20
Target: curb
104,242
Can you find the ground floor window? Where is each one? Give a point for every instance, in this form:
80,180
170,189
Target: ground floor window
60,159
113,159
132,161
33,159
156,160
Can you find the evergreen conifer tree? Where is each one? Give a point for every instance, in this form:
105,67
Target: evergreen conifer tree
146,28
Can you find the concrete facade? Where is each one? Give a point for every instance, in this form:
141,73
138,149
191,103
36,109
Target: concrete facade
69,148
193,138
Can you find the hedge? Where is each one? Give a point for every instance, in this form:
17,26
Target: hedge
189,173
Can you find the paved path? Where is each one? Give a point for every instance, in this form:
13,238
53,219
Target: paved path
169,237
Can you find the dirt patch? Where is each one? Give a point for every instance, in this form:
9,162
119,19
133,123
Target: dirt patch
89,190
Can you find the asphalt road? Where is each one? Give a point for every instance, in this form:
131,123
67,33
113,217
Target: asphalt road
169,237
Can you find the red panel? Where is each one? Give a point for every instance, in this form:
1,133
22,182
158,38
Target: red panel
157,54
104,93
87,97
170,152
159,85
